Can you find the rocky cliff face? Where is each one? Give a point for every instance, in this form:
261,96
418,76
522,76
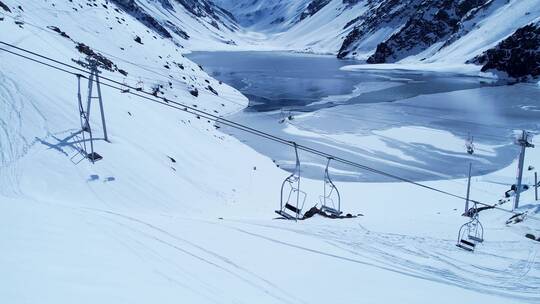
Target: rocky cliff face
434,21
313,8
380,14
267,16
201,9
418,25
518,55
131,7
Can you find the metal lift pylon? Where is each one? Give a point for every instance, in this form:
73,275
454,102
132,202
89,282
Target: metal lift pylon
524,141
331,199
84,113
292,202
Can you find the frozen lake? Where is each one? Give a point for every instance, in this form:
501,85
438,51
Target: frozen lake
412,124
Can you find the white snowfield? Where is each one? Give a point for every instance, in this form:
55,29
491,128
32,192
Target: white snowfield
325,31
178,212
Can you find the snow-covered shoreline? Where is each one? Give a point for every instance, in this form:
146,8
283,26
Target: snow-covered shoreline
458,69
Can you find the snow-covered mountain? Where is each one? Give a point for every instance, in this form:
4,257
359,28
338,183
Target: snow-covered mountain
164,17
266,16
388,31
517,55
423,28
177,211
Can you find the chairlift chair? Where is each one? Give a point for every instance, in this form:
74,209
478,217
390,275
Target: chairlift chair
139,86
469,145
292,198
281,116
331,199
471,233
125,88
19,19
285,116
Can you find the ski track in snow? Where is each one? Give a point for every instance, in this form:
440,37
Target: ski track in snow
13,144
404,254
193,263
197,252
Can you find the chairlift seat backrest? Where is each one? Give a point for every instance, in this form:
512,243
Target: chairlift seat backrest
292,208
476,239
464,244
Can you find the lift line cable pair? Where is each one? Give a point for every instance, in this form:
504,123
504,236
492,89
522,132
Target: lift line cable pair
220,120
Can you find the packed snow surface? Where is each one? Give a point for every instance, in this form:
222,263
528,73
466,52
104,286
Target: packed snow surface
179,212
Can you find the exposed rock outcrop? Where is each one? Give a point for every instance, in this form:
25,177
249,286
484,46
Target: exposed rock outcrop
518,55
313,8
419,25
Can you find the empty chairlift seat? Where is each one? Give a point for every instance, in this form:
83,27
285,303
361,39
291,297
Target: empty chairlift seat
471,233
292,198
331,199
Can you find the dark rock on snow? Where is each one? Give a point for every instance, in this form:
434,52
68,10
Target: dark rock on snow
518,55
4,7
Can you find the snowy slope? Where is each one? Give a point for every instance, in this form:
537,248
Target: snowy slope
324,31
386,31
179,212
265,16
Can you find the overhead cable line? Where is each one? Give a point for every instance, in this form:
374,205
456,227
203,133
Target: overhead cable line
220,120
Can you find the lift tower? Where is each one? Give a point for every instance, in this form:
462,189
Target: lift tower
94,92
524,142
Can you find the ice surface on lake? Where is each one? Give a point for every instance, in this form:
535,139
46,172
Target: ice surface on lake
412,123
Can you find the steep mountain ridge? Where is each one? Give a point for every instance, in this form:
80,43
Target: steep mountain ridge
266,16
194,21
177,211
388,31
517,55
419,24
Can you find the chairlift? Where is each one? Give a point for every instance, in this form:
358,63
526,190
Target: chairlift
125,87
472,232
281,116
285,116
524,139
469,144
331,199
139,86
292,198
19,19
